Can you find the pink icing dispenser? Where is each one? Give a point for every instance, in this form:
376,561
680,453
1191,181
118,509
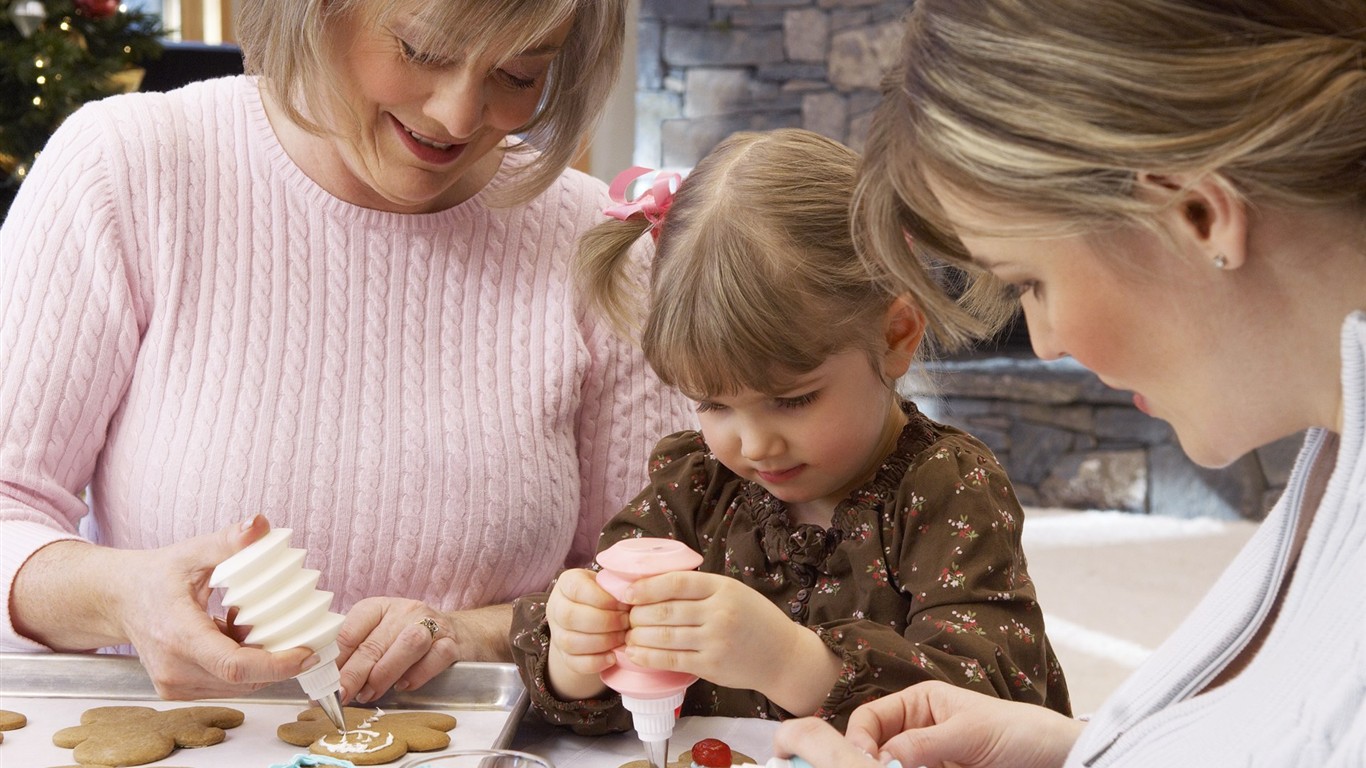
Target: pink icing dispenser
652,696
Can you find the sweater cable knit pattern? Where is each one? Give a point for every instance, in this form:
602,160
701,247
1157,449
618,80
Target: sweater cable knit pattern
197,332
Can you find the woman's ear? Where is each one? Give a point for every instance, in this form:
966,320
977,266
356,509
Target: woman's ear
1205,214
904,329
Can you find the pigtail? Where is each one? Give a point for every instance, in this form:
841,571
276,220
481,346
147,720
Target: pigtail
606,277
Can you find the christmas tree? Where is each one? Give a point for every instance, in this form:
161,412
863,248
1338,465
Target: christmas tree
56,55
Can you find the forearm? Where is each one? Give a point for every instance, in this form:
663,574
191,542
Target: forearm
482,633
802,694
68,596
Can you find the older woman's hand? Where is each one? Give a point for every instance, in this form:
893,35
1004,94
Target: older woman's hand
157,601
391,641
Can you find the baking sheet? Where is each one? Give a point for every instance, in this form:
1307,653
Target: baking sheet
52,690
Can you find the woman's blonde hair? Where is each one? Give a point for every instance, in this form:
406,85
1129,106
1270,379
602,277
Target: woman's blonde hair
1051,108
286,42
755,280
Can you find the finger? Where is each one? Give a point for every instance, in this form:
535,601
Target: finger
394,658
880,719
587,619
587,643
818,743
440,658
678,585
581,586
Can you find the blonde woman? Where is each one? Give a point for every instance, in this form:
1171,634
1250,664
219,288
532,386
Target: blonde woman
1175,192
332,295
851,546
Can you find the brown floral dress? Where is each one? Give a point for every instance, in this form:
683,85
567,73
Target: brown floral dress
920,576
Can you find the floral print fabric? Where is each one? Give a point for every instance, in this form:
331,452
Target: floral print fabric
920,576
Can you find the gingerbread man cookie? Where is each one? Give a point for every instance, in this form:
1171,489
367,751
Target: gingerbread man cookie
9,721
706,753
372,737
138,735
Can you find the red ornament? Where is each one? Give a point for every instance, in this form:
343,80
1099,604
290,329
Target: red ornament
712,753
97,9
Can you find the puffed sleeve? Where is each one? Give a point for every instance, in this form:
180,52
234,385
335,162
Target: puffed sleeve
677,481
951,539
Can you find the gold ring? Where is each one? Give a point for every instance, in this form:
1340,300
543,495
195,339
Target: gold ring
429,624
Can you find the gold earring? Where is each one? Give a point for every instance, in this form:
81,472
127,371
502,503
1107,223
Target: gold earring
1220,262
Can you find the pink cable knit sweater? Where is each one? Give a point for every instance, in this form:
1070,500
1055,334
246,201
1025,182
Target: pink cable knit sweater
198,332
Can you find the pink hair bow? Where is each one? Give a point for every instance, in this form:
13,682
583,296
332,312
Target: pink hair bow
653,203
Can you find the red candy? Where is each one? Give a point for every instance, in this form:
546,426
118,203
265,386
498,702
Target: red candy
711,753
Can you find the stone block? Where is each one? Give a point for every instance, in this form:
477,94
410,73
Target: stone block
785,71
649,65
685,142
1114,480
806,35
709,91
859,126
826,114
1036,450
709,46
1075,418
1129,425
652,109
860,56
771,18
1180,488
695,11
846,19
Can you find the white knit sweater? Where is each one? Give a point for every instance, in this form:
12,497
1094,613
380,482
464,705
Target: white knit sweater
1302,699
199,332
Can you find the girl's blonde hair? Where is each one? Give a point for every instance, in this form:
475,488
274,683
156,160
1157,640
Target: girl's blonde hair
755,280
286,42
1051,108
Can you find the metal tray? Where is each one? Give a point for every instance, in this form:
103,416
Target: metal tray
487,699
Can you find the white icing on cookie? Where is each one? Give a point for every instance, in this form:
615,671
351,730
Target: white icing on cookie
357,741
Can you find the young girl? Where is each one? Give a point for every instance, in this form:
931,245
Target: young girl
851,546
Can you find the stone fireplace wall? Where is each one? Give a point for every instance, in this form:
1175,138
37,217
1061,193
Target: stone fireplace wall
708,68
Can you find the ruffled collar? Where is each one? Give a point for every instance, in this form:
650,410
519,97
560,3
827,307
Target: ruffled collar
811,545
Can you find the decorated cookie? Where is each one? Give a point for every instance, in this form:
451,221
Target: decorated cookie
11,720
372,737
706,753
138,735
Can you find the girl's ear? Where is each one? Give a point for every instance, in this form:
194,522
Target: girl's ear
904,329
1205,214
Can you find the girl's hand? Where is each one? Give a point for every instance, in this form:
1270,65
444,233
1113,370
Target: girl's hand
392,641
934,724
723,631
586,623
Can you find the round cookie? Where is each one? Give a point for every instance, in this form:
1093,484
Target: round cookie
137,735
10,721
372,737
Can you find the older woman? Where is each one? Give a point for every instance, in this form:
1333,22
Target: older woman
1175,191
331,295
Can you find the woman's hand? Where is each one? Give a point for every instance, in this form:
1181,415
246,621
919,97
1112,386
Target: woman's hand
725,632
817,742
586,623
74,596
394,642
937,724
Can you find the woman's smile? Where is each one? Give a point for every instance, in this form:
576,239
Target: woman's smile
424,148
